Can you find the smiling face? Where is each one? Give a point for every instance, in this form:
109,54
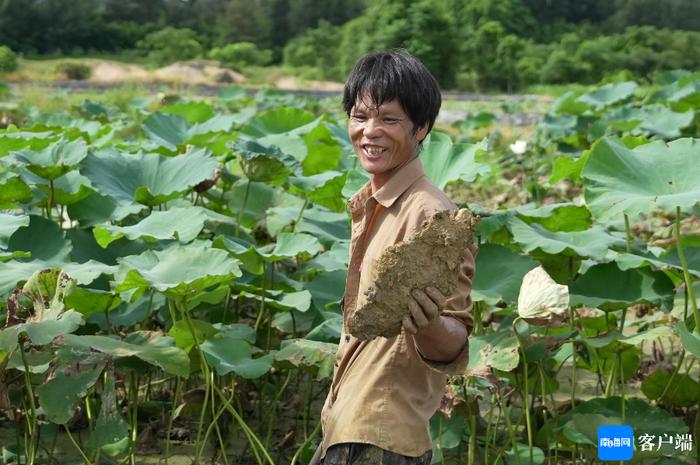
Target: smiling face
383,138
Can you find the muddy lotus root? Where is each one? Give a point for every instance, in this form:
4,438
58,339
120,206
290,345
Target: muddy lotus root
431,258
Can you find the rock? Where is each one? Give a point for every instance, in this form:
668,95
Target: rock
431,258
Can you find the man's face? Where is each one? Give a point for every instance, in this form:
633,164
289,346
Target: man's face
384,137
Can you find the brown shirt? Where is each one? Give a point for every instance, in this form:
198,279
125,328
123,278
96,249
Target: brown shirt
384,392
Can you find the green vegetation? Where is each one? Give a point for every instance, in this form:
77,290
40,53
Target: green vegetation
8,59
477,45
175,264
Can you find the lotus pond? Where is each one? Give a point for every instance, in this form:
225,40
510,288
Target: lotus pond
171,269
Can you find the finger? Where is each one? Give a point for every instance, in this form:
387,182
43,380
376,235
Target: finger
418,314
430,310
438,297
408,324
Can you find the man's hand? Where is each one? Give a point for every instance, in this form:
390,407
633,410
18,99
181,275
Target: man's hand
425,308
438,338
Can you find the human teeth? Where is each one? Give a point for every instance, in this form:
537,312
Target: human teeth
374,150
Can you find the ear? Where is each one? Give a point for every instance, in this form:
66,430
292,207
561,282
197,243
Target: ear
422,133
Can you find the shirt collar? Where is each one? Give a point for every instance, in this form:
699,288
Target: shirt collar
392,190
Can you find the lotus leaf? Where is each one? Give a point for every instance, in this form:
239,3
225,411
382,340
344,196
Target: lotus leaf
683,392
10,223
324,189
110,427
177,271
313,356
182,224
444,161
228,354
278,121
557,217
182,335
97,208
193,112
172,130
59,396
70,188
323,152
148,179
541,299
501,272
634,286
150,347
497,350
44,239
292,244
654,176
609,94
55,160
592,242
13,189
264,163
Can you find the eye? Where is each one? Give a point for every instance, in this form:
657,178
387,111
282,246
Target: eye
390,120
358,117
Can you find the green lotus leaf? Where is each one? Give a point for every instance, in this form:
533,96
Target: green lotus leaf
182,224
59,396
644,419
634,286
325,225
13,189
182,335
657,120
690,341
615,338
557,217
44,239
354,181
323,152
173,130
331,260
313,356
497,350
592,242
324,189
90,301
110,427
10,223
278,121
147,179
521,455
264,163
650,177
193,112
13,272
327,288
41,332
38,359
97,208
668,260
501,272
444,161
683,392
70,188
609,94
14,140
228,354
177,271
292,244
55,160
150,347
250,259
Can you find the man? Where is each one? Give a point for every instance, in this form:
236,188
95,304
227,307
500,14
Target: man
384,391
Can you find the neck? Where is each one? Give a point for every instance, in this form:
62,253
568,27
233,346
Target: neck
377,181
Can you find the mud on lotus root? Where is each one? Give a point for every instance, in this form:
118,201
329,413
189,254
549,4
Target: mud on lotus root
431,258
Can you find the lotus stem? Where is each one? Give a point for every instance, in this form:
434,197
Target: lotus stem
686,274
628,232
305,443
49,201
526,391
171,419
32,443
300,214
77,447
245,202
511,434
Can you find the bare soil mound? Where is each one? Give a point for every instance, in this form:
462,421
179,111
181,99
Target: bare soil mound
430,258
186,72
292,83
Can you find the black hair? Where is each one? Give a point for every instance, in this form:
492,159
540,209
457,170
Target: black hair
395,74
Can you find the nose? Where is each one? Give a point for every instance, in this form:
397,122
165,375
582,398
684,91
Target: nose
372,127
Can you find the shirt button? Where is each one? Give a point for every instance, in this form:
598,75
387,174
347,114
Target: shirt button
347,338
